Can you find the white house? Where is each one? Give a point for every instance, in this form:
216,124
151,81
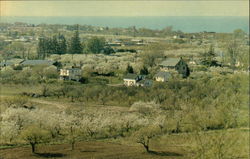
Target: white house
70,74
132,79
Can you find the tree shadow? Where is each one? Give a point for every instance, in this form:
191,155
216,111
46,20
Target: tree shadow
50,155
87,151
161,153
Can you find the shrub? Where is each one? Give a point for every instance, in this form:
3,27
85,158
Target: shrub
19,67
15,101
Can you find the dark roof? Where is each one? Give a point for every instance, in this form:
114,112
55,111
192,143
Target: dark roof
130,76
145,81
75,68
38,62
170,62
163,74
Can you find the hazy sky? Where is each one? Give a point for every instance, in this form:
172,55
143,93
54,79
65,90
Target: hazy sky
125,8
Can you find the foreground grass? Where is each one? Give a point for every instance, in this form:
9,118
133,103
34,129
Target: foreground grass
16,89
234,144
88,150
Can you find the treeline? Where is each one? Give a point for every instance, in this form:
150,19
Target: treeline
60,45
131,31
53,45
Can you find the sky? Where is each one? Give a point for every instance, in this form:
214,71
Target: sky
125,8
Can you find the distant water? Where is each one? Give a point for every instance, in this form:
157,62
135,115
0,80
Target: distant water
185,24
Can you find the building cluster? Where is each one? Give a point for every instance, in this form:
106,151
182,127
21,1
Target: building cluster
169,68
131,41
69,73
136,80
126,42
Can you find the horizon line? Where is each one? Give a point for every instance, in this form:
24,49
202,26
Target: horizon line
127,16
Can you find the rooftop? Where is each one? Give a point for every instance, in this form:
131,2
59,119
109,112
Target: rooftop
75,68
170,62
130,76
38,62
163,74
11,62
145,81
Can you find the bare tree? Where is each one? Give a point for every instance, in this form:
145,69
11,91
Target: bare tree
35,135
233,51
144,136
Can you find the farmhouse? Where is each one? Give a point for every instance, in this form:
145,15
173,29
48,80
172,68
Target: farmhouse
175,64
70,74
162,76
132,79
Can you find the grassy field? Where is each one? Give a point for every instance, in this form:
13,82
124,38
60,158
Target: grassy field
179,146
88,150
13,89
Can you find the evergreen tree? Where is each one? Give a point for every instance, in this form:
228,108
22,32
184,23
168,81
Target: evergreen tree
41,49
55,48
75,44
144,71
129,69
62,45
52,45
48,42
95,45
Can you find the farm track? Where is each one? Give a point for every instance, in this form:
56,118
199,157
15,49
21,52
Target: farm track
65,105
52,103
